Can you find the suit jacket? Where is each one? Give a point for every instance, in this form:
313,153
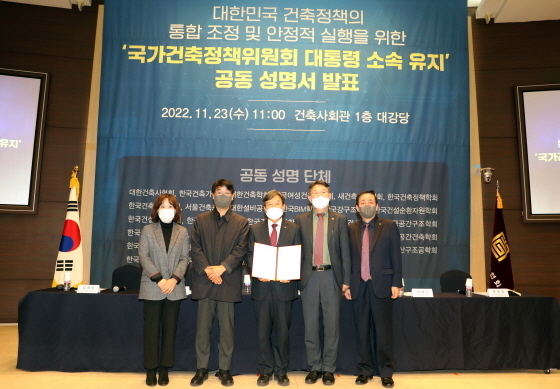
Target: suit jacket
213,246
154,259
385,261
339,248
288,235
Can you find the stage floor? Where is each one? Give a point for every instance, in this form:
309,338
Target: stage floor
20,379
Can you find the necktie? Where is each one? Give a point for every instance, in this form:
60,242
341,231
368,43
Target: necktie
365,253
318,252
274,235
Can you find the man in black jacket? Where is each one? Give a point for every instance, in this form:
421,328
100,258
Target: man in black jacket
375,248
273,298
218,247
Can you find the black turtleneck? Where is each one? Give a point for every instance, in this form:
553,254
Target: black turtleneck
167,229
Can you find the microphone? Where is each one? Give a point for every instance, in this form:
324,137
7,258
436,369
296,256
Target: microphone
118,288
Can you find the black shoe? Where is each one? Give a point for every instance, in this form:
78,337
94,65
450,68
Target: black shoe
163,377
328,378
387,382
283,380
312,377
263,379
151,379
363,379
225,377
199,377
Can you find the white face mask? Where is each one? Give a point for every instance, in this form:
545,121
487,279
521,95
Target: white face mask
166,215
320,202
274,213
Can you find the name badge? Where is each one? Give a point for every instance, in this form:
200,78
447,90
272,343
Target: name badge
422,292
88,289
492,292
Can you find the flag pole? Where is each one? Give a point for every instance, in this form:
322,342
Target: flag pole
74,181
500,204
69,262
501,275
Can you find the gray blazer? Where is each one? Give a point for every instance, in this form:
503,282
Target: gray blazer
154,259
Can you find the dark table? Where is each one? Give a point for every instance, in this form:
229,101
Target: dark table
66,331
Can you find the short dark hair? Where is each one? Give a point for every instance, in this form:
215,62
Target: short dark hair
273,193
318,182
363,193
172,200
223,182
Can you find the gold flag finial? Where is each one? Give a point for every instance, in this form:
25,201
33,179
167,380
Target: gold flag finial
498,197
74,181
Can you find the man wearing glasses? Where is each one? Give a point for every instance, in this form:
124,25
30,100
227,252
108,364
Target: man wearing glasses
325,275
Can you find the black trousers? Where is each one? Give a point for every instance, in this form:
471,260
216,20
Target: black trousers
374,315
204,319
273,322
160,315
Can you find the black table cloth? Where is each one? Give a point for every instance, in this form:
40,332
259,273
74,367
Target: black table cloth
71,332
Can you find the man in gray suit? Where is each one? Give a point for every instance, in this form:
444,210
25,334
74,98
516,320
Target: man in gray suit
218,247
273,299
325,275
375,247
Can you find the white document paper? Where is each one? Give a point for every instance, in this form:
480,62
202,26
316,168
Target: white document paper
276,263
264,261
289,263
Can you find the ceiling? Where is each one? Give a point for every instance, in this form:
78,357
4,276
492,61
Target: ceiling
55,3
500,11
512,11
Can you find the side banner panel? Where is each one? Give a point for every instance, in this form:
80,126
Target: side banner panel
275,95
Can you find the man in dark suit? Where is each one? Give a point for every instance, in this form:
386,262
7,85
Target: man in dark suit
273,299
325,274
218,247
375,246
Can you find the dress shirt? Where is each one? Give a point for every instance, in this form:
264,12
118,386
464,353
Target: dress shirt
278,225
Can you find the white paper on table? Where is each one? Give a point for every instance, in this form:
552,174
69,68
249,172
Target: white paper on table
276,263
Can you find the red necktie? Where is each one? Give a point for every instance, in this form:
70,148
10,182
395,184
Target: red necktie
274,235
365,254
318,252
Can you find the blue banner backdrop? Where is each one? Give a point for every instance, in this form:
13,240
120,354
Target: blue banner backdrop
276,94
